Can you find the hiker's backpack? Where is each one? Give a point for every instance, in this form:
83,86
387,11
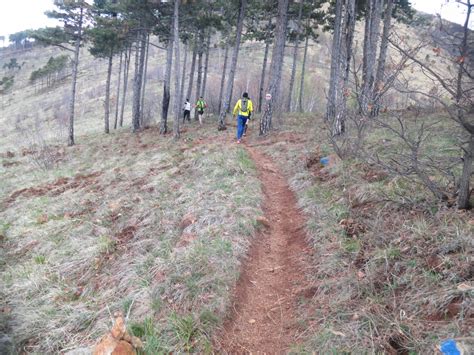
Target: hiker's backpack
244,105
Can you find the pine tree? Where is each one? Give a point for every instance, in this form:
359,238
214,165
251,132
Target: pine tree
73,15
108,37
235,54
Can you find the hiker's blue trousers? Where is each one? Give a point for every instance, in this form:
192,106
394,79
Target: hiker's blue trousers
241,121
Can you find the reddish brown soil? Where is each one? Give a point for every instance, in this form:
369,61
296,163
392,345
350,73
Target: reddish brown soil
55,188
265,307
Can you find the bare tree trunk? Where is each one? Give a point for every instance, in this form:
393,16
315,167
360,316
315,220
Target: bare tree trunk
199,72
262,76
128,56
379,76
371,34
75,66
177,102
166,89
183,75
117,100
142,112
107,95
137,84
295,55
303,71
348,36
229,108
191,73
333,93
206,65
275,66
233,66
464,191
224,72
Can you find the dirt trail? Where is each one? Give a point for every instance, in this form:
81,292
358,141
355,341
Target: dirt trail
264,317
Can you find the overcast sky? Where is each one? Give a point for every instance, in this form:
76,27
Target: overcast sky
18,15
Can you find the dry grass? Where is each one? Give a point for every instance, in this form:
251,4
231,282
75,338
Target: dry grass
135,223
387,257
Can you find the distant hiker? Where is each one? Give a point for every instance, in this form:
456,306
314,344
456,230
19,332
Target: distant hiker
200,106
243,109
187,111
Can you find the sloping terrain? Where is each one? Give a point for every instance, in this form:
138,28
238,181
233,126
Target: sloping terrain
392,268
134,223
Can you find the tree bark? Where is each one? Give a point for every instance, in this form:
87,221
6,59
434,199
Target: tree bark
303,71
128,56
191,73
107,95
295,56
166,89
379,76
233,66
224,72
262,76
117,100
206,65
137,84
183,75
144,80
348,36
177,102
333,92
75,66
464,190
275,67
371,34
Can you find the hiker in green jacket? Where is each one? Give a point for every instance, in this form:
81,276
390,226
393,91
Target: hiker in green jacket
200,106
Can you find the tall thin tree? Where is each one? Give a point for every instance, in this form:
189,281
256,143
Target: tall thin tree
235,54
177,103
224,72
295,56
275,67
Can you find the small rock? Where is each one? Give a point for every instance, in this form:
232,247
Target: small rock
118,330
187,221
118,341
263,221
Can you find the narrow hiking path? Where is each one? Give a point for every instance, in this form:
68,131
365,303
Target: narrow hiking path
265,308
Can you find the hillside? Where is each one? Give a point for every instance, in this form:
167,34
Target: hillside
207,246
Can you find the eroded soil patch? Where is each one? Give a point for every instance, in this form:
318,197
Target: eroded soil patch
54,188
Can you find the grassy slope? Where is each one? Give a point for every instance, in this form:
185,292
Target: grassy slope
131,223
387,257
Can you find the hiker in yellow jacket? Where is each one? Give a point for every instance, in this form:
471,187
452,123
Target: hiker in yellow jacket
243,109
